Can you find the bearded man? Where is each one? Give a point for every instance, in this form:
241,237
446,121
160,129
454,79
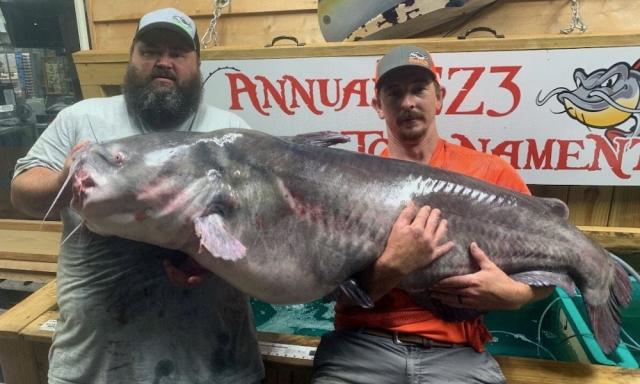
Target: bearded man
122,320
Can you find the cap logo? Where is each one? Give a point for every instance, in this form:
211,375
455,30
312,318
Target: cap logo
181,20
418,58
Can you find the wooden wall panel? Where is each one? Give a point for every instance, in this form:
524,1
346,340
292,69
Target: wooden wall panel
248,30
589,205
104,11
255,22
244,22
625,210
556,191
520,17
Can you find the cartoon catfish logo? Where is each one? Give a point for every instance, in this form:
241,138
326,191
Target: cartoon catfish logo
607,99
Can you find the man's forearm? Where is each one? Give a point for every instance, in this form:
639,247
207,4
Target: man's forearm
34,190
379,279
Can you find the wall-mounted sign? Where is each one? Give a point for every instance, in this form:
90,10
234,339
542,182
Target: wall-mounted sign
565,116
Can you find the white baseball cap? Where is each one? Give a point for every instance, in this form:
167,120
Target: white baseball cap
172,19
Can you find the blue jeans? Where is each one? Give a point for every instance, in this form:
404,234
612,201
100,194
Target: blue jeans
354,357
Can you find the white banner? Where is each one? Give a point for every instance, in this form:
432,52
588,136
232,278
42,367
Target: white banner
561,117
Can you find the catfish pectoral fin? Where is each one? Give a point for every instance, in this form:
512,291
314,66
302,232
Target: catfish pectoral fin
351,289
546,279
215,238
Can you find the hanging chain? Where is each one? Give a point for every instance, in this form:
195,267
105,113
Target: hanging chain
576,20
211,36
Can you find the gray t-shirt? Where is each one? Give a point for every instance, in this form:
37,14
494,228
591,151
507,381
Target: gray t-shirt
121,320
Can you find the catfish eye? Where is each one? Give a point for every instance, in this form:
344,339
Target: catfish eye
119,158
611,81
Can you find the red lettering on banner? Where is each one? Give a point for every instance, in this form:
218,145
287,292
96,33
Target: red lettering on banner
564,155
355,87
279,97
536,158
510,86
453,109
511,149
614,160
290,93
633,144
297,88
248,87
324,92
540,159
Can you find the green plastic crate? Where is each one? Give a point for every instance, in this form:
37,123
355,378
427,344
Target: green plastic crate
556,329
311,319
631,323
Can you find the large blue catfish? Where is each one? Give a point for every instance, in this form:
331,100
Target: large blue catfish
288,221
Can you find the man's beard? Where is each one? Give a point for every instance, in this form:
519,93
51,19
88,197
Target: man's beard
161,108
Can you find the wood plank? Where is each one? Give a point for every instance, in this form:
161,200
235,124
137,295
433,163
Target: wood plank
120,54
520,370
512,18
27,246
99,74
106,11
560,192
248,30
32,266
89,91
30,225
32,332
89,9
261,29
625,211
36,277
589,205
21,315
616,238
41,354
18,362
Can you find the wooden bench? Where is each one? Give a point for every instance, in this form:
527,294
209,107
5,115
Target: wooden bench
24,346
29,250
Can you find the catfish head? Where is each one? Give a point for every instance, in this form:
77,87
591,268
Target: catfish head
602,99
150,188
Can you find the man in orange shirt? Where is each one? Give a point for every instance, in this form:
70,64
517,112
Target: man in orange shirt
397,341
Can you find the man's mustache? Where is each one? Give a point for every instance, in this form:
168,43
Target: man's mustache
409,114
160,72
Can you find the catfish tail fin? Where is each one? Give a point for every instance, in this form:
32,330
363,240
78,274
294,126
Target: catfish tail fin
605,319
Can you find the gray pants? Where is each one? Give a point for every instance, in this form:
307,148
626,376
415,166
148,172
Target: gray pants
354,357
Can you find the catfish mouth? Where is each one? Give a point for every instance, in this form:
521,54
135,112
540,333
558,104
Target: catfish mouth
82,185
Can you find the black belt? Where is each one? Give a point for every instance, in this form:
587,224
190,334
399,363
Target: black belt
408,338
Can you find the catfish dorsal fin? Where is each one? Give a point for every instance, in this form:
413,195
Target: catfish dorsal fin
556,206
320,139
